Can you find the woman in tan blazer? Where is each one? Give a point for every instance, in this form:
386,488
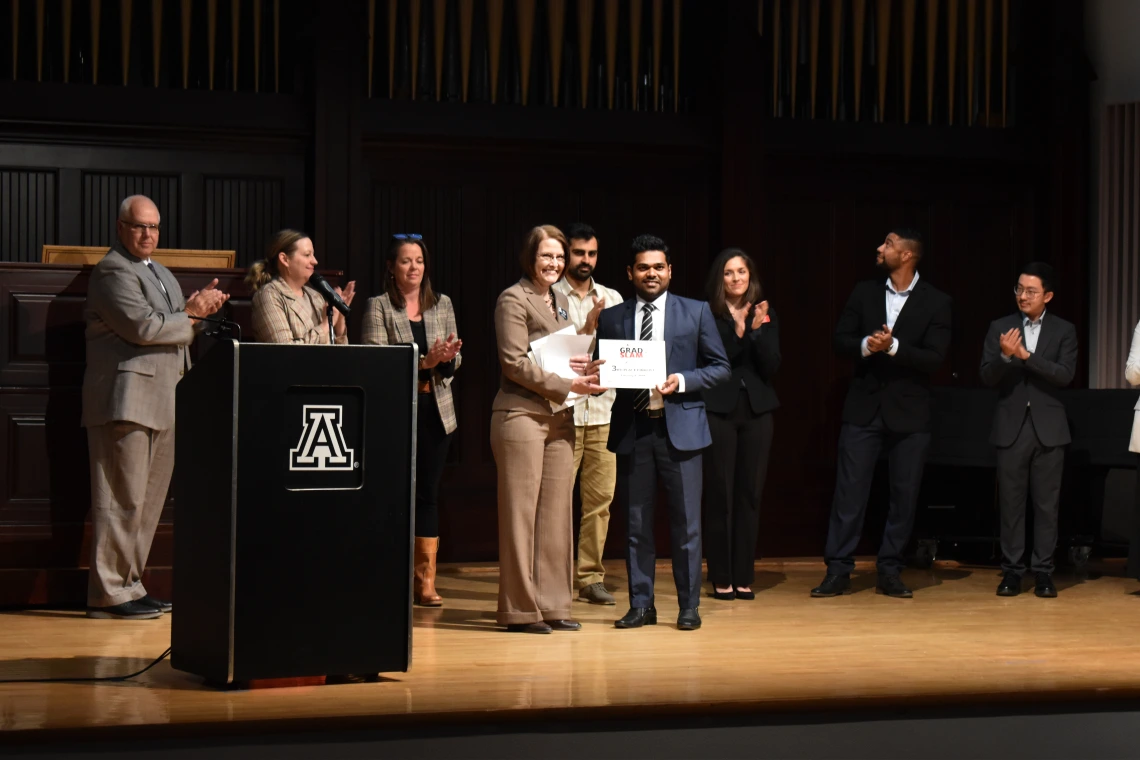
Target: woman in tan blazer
285,308
534,445
409,311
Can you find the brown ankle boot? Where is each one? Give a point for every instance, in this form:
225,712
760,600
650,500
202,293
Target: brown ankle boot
425,595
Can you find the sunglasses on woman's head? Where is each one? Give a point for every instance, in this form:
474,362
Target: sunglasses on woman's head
407,236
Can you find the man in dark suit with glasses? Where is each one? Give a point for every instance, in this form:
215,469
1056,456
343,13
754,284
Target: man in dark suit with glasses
1029,356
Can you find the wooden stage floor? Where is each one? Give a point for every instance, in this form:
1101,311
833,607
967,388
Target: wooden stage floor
955,643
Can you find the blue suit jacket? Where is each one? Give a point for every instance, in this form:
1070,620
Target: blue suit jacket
693,349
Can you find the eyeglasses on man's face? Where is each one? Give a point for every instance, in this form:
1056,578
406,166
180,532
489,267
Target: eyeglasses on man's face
1027,292
140,228
407,236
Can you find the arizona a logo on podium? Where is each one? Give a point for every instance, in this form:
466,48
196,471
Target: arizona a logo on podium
322,445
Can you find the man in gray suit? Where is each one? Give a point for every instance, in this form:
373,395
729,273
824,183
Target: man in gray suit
139,329
1028,356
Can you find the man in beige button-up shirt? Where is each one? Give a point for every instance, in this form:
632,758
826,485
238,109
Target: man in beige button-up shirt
597,465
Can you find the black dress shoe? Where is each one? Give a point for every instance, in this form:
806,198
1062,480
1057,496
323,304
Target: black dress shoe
637,617
747,596
529,628
833,585
564,625
688,620
892,585
1045,588
724,596
158,604
124,611
1010,585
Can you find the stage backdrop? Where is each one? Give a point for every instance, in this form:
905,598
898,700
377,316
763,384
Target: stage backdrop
800,131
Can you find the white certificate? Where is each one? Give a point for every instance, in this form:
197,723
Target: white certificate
553,353
632,363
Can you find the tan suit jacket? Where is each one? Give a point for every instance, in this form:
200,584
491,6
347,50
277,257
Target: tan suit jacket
522,316
385,325
137,343
280,317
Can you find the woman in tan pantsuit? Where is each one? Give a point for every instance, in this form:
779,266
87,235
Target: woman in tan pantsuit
534,445
285,308
410,311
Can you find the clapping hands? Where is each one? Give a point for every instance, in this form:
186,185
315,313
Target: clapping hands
1011,344
204,302
880,340
442,351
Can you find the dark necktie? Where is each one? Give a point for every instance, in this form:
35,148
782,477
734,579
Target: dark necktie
641,400
154,272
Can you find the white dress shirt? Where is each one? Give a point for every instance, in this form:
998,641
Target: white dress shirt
655,399
896,300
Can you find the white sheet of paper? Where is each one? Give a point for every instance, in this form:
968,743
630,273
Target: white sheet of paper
632,363
553,352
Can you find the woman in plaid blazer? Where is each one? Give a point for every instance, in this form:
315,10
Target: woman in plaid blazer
409,311
285,308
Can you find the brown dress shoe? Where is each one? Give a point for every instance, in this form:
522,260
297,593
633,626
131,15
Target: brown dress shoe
425,551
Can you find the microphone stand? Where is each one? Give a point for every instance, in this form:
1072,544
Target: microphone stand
332,336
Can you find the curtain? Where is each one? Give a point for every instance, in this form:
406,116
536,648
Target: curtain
1118,246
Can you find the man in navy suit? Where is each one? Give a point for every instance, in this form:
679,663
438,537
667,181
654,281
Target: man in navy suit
661,432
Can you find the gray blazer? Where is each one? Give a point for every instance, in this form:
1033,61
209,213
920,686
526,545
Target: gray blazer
137,343
1033,382
385,325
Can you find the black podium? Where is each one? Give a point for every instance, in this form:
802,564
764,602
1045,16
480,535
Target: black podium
293,489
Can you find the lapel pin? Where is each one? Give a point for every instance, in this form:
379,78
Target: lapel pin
562,313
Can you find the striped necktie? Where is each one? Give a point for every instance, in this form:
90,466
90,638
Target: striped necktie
641,401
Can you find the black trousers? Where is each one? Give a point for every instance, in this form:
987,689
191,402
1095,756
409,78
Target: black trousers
859,447
432,443
736,466
1026,468
654,458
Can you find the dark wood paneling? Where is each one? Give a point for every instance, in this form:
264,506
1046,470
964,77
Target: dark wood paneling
241,214
227,195
27,212
103,192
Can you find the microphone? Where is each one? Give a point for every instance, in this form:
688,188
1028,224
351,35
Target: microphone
322,286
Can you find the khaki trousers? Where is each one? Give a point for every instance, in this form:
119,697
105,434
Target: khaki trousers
534,457
130,475
597,468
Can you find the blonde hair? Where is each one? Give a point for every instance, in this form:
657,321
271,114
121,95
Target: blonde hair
263,271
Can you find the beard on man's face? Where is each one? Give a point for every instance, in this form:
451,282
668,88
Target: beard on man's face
583,271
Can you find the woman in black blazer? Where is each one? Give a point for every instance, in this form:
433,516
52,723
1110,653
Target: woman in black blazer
740,421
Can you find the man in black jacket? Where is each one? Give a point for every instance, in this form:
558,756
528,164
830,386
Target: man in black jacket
898,333
1028,356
